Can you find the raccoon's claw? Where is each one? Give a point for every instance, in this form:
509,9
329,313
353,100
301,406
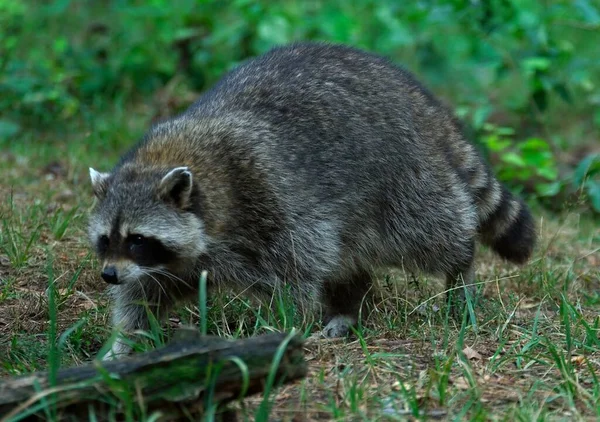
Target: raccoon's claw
339,326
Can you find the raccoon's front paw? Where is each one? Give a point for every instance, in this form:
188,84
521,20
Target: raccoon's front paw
339,326
118,350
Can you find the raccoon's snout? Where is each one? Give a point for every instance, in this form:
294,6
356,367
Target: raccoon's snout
109,274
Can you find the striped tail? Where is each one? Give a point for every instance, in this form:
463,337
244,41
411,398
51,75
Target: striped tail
506,225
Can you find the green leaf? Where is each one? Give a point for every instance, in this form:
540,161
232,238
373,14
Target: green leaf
186,33
548,189
514,159
505,131
548,173
275,30
534,144
496,144
593,191
531,64
538,158
590,165
480,116
588,11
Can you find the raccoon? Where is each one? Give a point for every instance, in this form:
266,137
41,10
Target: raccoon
309,166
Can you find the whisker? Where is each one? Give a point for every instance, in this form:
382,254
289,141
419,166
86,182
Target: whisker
145,272
170,276
143,290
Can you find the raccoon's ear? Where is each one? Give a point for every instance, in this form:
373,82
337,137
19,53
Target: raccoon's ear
99,183
176,187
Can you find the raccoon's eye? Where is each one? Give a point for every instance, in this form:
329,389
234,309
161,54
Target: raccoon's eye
103,243
136,240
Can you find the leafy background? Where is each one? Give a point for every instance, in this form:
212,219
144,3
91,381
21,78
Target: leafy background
524,75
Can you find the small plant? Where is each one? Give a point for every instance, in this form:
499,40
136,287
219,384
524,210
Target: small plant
523,162
16,238
60,222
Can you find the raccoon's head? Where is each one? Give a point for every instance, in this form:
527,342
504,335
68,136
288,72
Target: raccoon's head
145,222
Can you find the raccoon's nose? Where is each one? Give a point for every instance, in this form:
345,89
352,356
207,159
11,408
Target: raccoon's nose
109,274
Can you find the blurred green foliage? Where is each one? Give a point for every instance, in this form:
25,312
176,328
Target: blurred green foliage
529,160
527,65
587,177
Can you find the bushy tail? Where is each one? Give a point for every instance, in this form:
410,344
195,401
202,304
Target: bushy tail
506,225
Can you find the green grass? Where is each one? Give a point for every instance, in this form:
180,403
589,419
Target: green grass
533,354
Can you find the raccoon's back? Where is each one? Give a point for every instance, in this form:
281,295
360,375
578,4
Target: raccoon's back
336,118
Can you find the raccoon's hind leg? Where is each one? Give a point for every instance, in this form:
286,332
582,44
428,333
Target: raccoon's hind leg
462,275
342,300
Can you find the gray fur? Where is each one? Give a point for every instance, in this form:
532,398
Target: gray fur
312,165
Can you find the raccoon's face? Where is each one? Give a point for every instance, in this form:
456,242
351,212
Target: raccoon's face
145,223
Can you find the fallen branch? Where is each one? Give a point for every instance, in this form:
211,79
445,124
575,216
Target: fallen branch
188,376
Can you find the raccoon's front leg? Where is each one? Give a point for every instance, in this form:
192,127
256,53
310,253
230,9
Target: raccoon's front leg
131,304
342,300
